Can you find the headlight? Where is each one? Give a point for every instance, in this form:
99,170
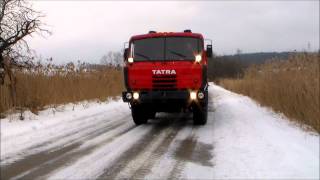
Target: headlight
135,95
193,95
129,96
200,95
198,58
130,59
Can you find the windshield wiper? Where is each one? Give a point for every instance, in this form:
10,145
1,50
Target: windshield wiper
178,54
142,55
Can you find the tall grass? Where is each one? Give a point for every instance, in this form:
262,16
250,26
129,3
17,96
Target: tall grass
41,86
288,86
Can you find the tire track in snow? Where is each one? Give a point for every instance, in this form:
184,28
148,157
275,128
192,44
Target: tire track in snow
161,150
48,167
75,130
186,148
36,159
93,164
137,161
190,150
183,151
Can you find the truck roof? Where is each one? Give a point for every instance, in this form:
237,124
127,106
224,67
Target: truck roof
166,34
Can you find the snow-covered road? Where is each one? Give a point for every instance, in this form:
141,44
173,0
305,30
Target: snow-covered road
240,140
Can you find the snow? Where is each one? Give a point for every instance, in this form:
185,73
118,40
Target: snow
241,140
101,158
17,135
253,142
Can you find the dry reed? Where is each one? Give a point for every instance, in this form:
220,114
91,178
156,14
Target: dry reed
40,87
288,86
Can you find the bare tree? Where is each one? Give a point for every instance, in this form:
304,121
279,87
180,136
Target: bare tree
17,21
112,58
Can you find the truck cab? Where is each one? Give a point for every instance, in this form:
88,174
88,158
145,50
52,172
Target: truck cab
166,72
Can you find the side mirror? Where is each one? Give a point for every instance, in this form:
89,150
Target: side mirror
209,51
125,54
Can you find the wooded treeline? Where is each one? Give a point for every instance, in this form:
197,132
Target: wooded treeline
233,66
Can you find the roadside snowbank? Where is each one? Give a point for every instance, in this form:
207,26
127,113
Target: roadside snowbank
13,126
253,142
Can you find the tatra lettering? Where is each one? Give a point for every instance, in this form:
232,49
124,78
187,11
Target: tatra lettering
163,71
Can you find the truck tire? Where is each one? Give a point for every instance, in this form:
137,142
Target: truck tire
200,115
152,115
200,112
138,115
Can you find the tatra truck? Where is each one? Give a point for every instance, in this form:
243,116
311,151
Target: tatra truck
167,72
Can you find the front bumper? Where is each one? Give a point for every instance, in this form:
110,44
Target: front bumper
159,96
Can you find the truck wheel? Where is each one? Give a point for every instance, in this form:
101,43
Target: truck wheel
138,115
152,115
200,112
200,115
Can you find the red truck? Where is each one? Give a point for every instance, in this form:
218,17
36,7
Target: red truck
167,72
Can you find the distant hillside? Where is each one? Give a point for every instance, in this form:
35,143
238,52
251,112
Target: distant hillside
255,58
232,66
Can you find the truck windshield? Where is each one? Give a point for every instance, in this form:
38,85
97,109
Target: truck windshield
169,48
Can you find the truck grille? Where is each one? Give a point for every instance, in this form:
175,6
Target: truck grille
164,82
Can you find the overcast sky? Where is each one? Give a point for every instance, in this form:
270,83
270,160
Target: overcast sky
86,30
